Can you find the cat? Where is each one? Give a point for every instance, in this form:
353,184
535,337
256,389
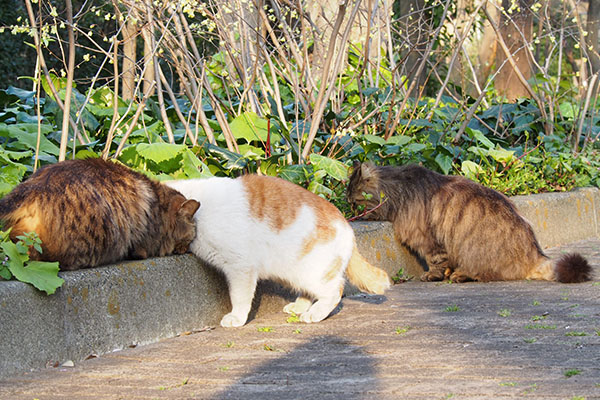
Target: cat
93,212
258,227
463,230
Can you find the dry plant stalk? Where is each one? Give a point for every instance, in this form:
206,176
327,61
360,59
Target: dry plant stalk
266,51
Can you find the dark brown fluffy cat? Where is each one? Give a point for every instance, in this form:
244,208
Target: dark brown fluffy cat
463,230
93,212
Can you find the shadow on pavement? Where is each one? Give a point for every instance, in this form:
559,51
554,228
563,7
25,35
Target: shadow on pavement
324,367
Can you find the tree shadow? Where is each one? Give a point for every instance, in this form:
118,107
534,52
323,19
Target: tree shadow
324,367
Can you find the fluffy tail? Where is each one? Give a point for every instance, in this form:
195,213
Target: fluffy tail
366,277
572,268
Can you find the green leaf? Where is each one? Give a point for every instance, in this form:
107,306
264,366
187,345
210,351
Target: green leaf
59,84
375,139
470,169
152,131
10,176
501,155
41,274
445,162
568,110
320,189
481,138
16,155
334,168
85,153
415,147
159,152
251,127
293,173
193,167
480,151
251,152
26,140
399,140
234,160
5,273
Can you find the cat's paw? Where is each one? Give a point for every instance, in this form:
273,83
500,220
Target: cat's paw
459,277
232,321
431,277
319,310
310,317
301,305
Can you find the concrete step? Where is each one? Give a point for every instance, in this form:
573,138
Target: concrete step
109,308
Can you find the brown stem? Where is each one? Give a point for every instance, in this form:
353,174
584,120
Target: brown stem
367,212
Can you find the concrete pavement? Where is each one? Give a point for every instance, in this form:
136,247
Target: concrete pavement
538,340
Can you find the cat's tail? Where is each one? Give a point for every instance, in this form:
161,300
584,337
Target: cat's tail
572,268
366,277
569,268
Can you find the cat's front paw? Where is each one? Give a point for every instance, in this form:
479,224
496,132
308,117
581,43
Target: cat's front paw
431,276
232,321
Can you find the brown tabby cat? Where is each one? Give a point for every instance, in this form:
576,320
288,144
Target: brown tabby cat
463,230
93,212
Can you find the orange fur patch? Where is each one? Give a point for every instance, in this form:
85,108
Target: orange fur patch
278,201
323,233
334,269
543,271
27,219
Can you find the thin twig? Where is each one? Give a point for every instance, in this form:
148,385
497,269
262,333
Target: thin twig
367,212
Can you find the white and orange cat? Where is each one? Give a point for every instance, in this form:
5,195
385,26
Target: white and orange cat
258,227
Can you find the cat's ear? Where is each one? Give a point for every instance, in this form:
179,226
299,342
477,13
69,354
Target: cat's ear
356,169
189,208
368,171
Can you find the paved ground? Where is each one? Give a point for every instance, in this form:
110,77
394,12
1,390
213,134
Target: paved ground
421,341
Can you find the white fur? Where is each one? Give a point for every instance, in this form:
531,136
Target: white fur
247,249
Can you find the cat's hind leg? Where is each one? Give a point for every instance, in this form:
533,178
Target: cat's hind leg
459,277
328,297
320,309
301,305
241,293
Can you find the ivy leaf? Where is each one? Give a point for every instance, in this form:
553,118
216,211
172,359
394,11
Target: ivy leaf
320,189
293,173
415,147
501,155
334,168
399,140
444,161
470,169
375,139
41,274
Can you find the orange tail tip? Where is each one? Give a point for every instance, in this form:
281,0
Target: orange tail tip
572,268
366,277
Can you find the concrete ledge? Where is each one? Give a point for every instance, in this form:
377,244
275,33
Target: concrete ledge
109,308
561,218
